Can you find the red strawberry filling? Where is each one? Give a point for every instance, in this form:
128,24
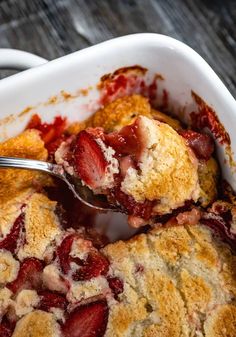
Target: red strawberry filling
116,285
128,141
129,205
29,275
89,320
201,144
219,218
93,265
50,300
63,252
5,331
51,133
11,240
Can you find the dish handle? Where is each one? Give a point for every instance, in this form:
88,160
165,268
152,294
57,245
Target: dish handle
18,59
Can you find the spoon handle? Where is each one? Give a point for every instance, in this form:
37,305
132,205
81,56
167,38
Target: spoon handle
30,164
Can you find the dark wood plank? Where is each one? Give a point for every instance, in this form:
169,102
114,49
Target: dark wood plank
53,28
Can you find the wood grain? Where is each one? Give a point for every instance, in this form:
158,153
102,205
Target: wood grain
52,28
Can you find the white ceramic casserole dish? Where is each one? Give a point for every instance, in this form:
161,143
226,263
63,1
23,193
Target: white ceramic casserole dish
182,68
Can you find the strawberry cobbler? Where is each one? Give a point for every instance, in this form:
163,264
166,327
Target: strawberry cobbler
59,276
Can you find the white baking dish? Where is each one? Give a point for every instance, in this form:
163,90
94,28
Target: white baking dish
182,68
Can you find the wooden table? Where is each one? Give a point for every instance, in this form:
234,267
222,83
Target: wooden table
51,28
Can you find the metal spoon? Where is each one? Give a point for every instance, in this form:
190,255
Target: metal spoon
83,193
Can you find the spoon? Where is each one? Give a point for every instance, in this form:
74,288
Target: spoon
83,193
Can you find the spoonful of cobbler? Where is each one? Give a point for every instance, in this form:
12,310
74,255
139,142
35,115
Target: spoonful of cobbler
145,169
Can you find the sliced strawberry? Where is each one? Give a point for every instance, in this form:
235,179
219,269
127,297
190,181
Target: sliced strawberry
96,264
63,252
128,141
10,241
116,285
89,161
89,320
5,331
49,299
202,144
28,276
6,327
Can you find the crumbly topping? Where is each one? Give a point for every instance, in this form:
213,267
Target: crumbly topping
58,313
221,322
60,156
112,167
41,226
83,290
11,209
169,288
12,181
5,300
25,302
37,324
80,248
121,112
52,279
208,173
196,291
9,267
168,169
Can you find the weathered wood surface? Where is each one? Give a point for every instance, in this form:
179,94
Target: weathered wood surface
52,28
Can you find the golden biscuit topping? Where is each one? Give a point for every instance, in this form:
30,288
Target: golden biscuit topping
196,291
25,302
13,181
176,288
41,226
8,267
37,324
167,169
121,112
221,322
11,209
208,173
5,300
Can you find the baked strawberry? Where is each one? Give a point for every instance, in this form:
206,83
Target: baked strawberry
11,240
89,320
63,252
129,205
96,264
201,144
50,132
116,285
89,161
5,331
49,299
127,141
28,276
